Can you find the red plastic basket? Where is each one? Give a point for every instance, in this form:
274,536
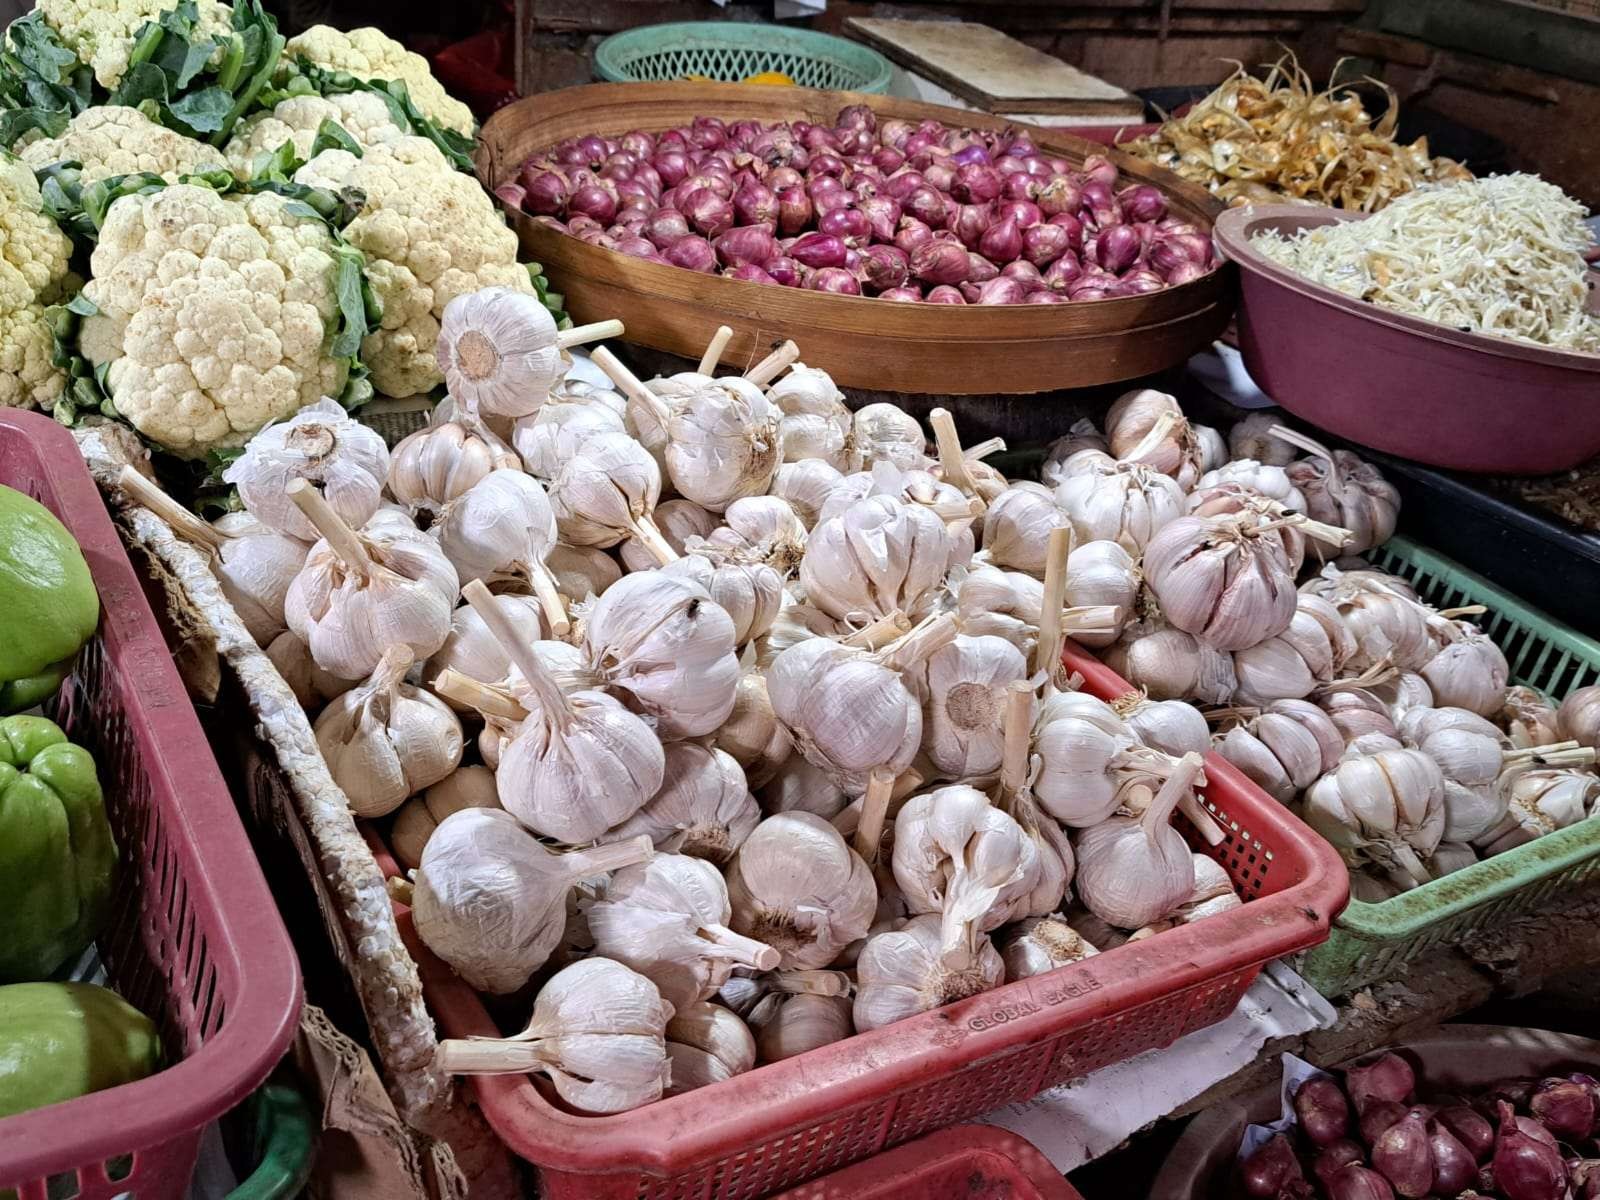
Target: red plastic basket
195,941
967,1162
795,1120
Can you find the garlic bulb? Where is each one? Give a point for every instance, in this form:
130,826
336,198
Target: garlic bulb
1079,740
704,808
1283,749
1530,720
598,1030
752,735
800,786
1357,714
1135,870
1173,727
581,573
1469,752
558,431
1405,691
491,900
321,444
417,818
1385,623
1042,944
501,528
762,529
667,918
473,651
1170,664
1081,436
879,556
1017,525
361,593
606,492
678,520
795,886
957,855
1451,857
1213,448
1147,427
1263,478
1289,666
815,423
1469,671
1386,808
966,690
789,1024
662,640
1213,892
1112,501
1252,438
806,485
386,740
1543,801
312,686
887,433
706,1044
1341,489
1102,573
906,971
850,710
750,593
434,465
1220,579
1578,718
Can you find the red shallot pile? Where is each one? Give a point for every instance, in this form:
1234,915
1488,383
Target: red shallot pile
1522,1139
867,208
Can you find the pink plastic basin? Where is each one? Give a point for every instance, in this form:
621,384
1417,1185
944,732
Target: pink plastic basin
1410,387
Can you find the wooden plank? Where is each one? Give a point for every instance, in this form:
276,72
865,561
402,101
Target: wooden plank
1438,66
994,71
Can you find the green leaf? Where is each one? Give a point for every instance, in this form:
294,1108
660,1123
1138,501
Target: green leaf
332,136
82,306
348,277
38,50
99,197
146,81
205,111
182,61
277,164
15,122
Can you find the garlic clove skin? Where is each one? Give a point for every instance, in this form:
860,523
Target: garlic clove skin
796,886
1578,718
750,593
1292,664
312,686
1469,671
1451,857
501,525
1217,579
1076,745
417,818
1265,479
473,651
787,1025
1131,423
1133,871
1102,573
604,492
498,353
1384,622
324,445
704,808
1170,664
1250,438
1530,720
1042,944
763,529
707,1044
434,465
723,440
558,431
1017,525
966,682
1385,808
903,972
887,433
878,556
255,567
800,786
1173,727
806,486
753,735
1342,489
1121,502
581,573
1543,801
678,520
1081,436
815,424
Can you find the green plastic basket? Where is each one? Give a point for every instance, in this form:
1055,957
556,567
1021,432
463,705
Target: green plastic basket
1372,942
729,51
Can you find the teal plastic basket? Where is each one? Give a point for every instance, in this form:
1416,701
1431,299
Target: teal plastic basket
730,51
1373,942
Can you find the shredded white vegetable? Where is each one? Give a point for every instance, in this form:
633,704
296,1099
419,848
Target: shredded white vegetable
1502,256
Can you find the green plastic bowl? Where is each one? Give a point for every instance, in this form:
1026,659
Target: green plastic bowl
730,51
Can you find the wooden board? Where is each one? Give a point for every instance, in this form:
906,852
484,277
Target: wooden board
994,71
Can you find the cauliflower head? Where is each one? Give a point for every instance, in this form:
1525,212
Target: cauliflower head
430,234
370,54
213,311
33,273
101,32
112,140
363,115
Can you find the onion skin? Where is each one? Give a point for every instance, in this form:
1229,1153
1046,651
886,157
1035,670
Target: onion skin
971,222
1380,1115
1141,202
902,294
910,234
1045,296
848,223
939,262
818,250
1470,1127
1272,1167
1334,1157
755,204
1356,1182
1525,1167
693,253
1025,273
1043,244
1401,1155
1322,1111
1001,242
836,280
786,271
748,273
1454,1167
944,294
665,226
511,193
1563,1107
1001,290
884,268
746,244
976,183
1388,1077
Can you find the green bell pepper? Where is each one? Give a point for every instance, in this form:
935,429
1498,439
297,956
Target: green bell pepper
59,1041
58,860
48,605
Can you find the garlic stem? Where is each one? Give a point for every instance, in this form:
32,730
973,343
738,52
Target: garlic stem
714,348
451,684
544,589
810,983
1153,437
910,781
956,471
1018,737
874,811
1465,610
1284,434
1172,791
1335,535
650,537
341,539
983,449
1561,754
880,633
1090,618
774,364
184,523
922,641
1047,654
604,859
487,1056
552,701
745,951
655,409
597,331
1237,713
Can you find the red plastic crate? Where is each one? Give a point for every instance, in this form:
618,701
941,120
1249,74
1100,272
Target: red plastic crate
195,941
967,1162
791,1121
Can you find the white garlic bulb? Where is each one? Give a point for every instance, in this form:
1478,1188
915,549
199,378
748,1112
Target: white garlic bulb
1449,858
1341,489
1147,427
1281,750
678,520
581,573
1387,625
607,492
1386,808
906,971
1173,727
1530,720
879,556
312,686
966,682
417,818
1017,525
1262,478
661,639
1079,740
1251,437
707,1044
1120,502
887,433
797,887
750,593
798,785
1578,718
1360,717
806,485
704,808
434,465
361,593
475,652
950,503
789,1024
598,1030
753,735
491,900
763,529
321,444
1102,573
558,431
1213,892
667,918
1170,664
1470,753
1213,448
501,528
815,423
1042,944
1312,651
386,740
1543,801
1135,870
1081,436
1469,671
1220,579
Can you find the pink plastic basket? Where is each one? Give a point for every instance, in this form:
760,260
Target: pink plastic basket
795,1120
195,941
966,1162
